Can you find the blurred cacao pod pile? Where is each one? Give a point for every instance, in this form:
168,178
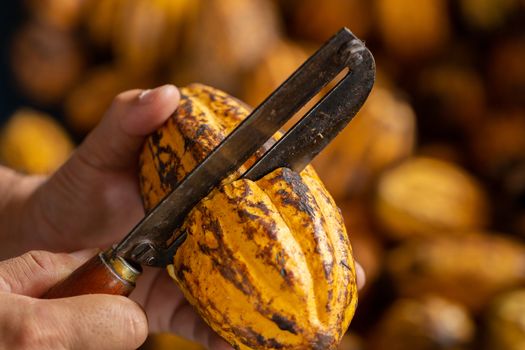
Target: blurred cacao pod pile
430,175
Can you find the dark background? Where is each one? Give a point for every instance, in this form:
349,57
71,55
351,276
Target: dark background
11,14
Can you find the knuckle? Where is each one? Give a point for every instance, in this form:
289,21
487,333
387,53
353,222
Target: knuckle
5,286
37,260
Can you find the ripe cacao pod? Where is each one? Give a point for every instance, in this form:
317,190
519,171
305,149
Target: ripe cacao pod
366,243
46,62
166,341
425,196
272,71
143,35
216,51
454,94
351,342
487,14
381,135
506,69
498,143
33,143
147,32
266,263
425,323
319,20
504,322
63,14
87,102
469,269
413,30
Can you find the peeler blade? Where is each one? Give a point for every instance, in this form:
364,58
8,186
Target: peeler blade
147,243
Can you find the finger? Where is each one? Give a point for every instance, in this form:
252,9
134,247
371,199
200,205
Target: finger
35,272
86,322
114,143
360,276
168,311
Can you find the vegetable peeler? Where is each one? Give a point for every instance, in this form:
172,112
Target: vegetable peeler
156,238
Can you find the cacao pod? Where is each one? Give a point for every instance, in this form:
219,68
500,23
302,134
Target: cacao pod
147,32
100,20
487,14
413,30
498,143
63,14
366,243
506,69
469,269
143,35
426,323
87,102
424,196
319,20
217,51
266,263
351,342
504,322
272,71
455,95
46,62
33,143
382,134
165,341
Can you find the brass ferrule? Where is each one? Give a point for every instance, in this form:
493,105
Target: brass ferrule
125,269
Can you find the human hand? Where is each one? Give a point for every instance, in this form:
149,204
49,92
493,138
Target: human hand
84,322
93,200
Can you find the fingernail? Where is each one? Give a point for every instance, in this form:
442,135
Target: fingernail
361,276
147,96
84,254
144,94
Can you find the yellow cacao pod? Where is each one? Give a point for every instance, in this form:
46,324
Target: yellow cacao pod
46,62
266,263
351,342
319,20
143,35
217,51
86,102
33,143
272,71
455,94
426,323
63,14
469,269
506,71
504,322
488,14
165,341
425,196
413,30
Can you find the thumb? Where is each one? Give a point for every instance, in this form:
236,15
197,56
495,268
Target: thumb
35,272
86,322
113,144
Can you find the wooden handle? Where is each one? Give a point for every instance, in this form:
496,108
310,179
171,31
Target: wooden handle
99,275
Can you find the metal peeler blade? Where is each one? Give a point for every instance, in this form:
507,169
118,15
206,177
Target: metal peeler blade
147,243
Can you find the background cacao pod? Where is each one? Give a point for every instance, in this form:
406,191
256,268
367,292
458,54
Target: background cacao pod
504,322
424,196
470,269
425,323
33,143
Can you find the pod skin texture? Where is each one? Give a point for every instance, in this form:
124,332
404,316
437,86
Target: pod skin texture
266,263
